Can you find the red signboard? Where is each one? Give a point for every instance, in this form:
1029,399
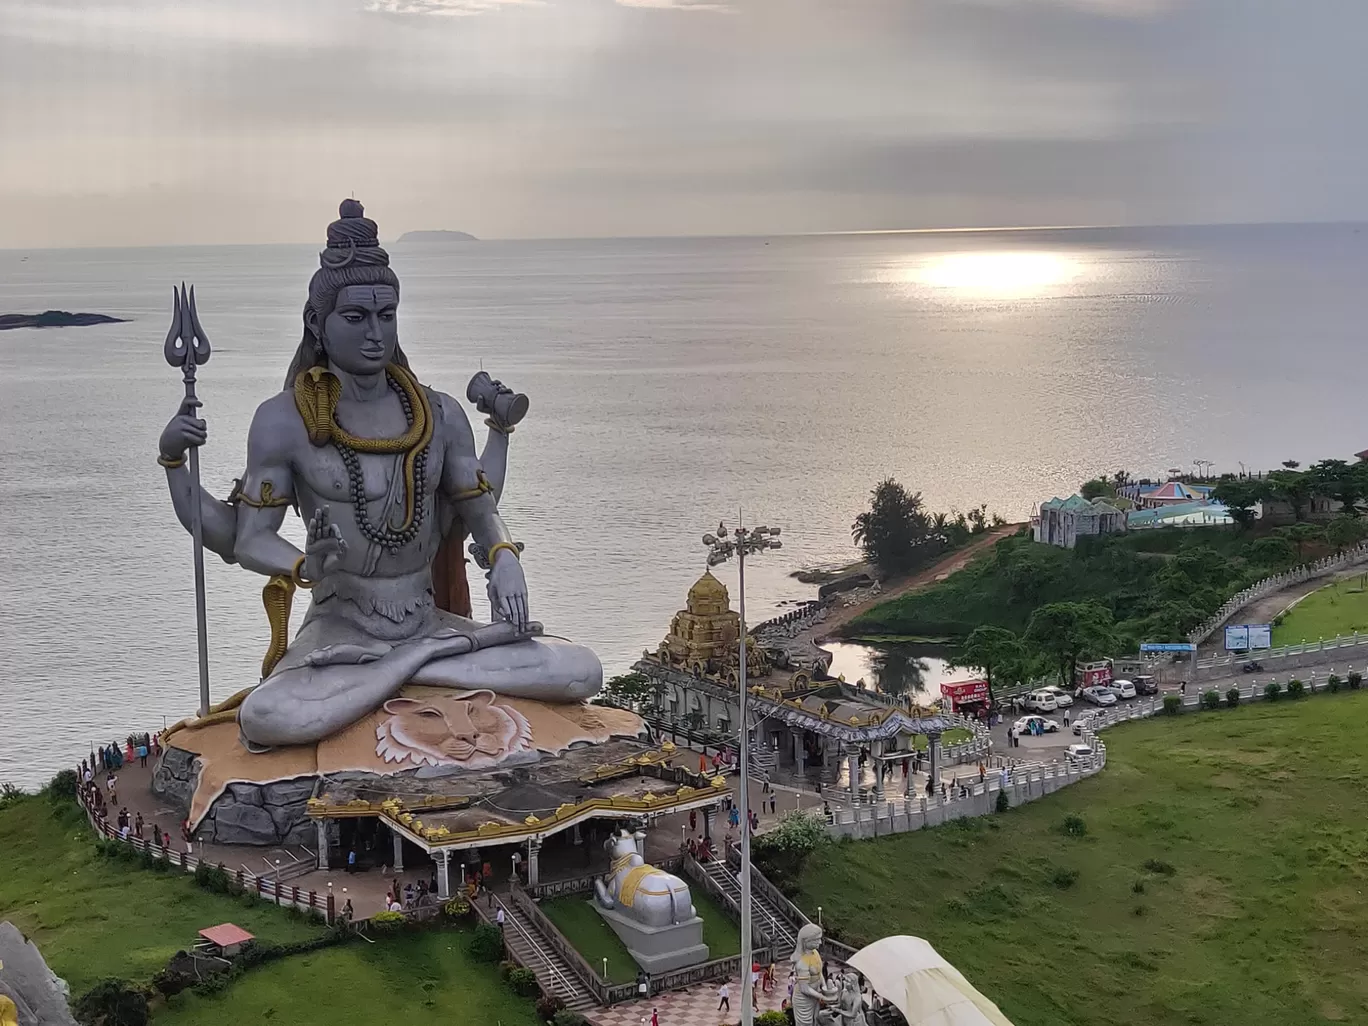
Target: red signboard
962,691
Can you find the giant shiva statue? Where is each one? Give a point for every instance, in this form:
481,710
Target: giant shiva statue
383,469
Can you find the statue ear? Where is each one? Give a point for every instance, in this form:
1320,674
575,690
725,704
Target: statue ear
398,705
312,323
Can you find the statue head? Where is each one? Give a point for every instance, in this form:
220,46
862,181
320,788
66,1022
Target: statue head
809,940
351,316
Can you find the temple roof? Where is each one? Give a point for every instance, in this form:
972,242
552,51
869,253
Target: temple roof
707,594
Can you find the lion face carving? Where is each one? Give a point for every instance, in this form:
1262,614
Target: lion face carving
465,728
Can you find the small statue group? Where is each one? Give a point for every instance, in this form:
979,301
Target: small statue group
815,1002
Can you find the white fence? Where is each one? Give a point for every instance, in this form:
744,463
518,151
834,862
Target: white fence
1307,572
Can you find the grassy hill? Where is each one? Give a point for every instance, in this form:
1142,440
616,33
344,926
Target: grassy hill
1220,880
1158,584
95,918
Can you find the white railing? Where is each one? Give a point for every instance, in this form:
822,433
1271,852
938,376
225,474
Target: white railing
1283,652
1269,585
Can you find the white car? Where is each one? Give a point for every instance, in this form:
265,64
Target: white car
1081,723
1122,688
1041,701
1076,752
1062,698
1024,725
1099,696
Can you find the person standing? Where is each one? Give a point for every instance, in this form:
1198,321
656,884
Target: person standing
724,997
351,860
655,1017
499,918
755,988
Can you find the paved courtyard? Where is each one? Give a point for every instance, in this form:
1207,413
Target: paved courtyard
694,1006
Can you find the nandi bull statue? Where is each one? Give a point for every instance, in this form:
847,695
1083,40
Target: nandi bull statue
639,890
650,910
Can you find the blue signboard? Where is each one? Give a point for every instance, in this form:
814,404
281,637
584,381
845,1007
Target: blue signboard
1154,646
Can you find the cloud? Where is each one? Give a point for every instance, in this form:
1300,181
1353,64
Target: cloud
678,5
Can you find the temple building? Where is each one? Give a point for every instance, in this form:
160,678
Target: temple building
812,730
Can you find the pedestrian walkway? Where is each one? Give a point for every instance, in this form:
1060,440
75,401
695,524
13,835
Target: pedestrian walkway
694,1006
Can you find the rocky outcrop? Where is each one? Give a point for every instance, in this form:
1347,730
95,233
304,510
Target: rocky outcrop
437,236
55,319
39,996
271,813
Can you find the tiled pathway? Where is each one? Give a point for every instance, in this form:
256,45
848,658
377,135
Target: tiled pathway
695,1007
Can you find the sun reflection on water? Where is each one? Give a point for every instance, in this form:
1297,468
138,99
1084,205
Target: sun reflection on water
1007,274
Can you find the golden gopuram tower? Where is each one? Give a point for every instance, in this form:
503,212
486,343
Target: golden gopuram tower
703,635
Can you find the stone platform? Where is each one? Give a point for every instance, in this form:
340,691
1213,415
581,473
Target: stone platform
658,949
427,746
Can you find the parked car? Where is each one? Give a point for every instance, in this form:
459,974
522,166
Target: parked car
1024,725
1062,698
1084,721
1099,696
1146,685
1041,701
1075,753
1122,688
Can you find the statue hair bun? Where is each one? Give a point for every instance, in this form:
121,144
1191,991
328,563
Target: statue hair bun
351,208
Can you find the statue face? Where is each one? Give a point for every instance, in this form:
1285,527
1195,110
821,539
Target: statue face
362,332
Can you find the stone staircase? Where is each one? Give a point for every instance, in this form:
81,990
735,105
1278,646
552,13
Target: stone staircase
764,916
528,948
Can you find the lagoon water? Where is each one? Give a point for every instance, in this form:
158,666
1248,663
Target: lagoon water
672,381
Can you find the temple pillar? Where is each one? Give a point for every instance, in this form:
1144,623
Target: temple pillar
443,873
322,827
933,753
876,763
398,853
576,835
533,863
853,764
798,759
708,812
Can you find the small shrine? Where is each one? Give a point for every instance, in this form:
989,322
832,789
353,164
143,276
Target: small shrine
703,634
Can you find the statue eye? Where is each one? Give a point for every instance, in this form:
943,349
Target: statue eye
431,714
352,318
387,315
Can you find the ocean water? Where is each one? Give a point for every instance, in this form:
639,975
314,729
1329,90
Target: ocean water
673,383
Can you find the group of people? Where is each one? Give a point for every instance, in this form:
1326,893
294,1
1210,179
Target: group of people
113,757
763,980
410,897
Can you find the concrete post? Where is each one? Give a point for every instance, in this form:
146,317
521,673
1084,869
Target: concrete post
876,763
798,750
853,764
533,863
708,813
443,873
322,827
934,755
398,853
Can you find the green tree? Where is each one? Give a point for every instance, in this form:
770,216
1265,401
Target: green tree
629,689
1301,534
1240,496
1274,551
1096,488
1291,487
1065,632
997,651
895,532
1345,531
1340,481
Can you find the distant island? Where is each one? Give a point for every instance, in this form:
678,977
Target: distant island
55,319
437,237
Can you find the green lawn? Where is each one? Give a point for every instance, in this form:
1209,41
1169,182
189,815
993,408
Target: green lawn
95,918
1339,608
593,938
1221,879
423,978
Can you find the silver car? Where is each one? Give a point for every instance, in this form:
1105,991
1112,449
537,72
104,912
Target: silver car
1099,696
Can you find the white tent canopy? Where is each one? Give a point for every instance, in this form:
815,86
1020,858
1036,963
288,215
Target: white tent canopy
927,989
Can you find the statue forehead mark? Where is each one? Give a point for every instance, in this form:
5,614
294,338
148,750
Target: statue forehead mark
369,296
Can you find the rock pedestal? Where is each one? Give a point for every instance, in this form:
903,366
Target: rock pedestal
658,949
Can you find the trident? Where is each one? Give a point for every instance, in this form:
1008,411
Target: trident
187,346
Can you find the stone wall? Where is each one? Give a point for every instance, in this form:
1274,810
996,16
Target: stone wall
274,813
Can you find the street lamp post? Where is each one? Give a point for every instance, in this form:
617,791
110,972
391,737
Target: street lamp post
743,542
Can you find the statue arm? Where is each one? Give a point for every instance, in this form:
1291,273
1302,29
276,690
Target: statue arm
267,489
466,484
218,519
494,460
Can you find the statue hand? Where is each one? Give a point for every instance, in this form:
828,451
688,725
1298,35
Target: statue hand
183,431
508,589
325,547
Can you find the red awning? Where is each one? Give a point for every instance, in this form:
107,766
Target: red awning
226,935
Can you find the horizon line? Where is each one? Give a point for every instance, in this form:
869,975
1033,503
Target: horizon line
962,230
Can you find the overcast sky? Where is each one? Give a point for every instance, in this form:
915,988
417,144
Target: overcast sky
144,122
